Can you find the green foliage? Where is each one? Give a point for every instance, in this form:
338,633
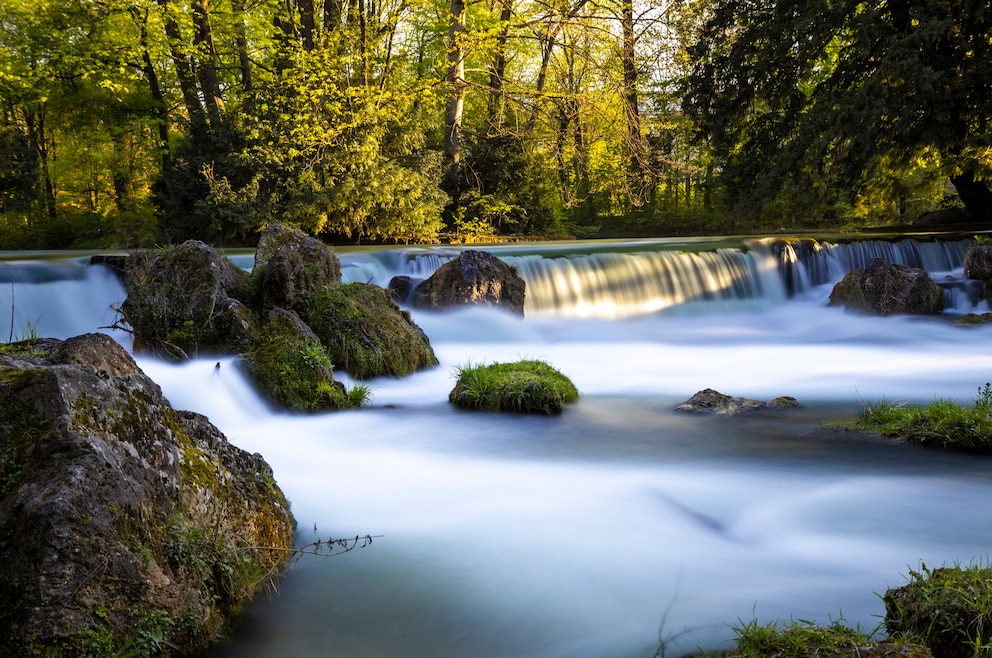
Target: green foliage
799,639
948,609
526,386
510,189
808,102
943,423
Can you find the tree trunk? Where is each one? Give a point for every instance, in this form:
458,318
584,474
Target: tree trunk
241,42
207,70
497,99
38,140
307,23
161,109
184,71
456,93
975,195
635,145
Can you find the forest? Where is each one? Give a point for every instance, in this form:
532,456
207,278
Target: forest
128,123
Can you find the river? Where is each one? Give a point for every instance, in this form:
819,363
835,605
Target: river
620,523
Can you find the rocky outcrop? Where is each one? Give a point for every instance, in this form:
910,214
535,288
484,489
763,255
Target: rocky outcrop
186,301
122,520
978,263
289,266
191,301
710,401
366,334
474,278
288,363
885,288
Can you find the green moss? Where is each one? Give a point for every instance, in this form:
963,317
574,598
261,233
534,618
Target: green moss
943,424
948,609
365,333
293,370
524,386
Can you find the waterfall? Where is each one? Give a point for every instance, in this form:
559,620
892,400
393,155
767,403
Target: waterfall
808,263
619,285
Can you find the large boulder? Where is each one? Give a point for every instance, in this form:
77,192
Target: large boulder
714,402
885,288
122,519
366,334
289,365
291,265
474,278
186,301
978,262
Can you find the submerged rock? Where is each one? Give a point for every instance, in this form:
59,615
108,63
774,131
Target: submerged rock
710,401
120,516
885,288
474,278
186,301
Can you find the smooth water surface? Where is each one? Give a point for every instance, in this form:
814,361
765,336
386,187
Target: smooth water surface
595,532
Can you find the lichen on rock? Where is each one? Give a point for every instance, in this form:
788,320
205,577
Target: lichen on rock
118,514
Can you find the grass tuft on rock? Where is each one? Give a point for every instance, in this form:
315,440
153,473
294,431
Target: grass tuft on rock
526,386
948,609
943,424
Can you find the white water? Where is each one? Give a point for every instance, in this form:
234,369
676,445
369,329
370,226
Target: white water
578,535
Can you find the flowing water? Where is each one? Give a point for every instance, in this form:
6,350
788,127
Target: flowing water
621,522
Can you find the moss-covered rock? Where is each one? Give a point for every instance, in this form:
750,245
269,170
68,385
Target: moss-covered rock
978,262
526,386
288,363
123,522
474,278
186,301
289,266
885,288
948,609
365,333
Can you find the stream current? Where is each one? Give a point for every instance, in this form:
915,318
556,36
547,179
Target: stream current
620,523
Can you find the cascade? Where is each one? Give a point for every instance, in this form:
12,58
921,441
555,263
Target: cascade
808,263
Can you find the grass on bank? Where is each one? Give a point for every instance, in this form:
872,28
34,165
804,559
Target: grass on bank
799,638
526,386
943,424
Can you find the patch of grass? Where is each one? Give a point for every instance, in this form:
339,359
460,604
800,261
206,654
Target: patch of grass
526,386
799,638
948,609
944,423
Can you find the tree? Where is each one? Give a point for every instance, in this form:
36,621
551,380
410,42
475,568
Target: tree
814,97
